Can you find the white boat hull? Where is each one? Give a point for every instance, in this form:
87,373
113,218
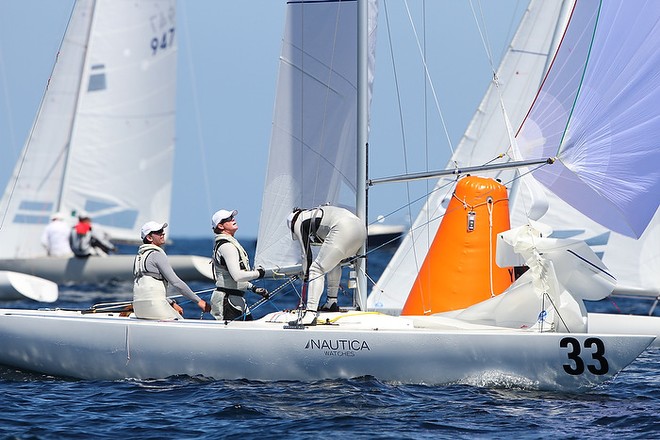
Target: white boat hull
15,285
103,269
106,347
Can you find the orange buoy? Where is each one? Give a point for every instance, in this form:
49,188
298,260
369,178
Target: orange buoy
460,264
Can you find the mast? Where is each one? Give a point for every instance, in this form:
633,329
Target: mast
362,139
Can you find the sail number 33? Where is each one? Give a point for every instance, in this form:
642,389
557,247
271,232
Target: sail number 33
594,346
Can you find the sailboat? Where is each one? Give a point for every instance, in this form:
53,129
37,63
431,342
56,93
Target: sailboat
633,262
102,142
321,54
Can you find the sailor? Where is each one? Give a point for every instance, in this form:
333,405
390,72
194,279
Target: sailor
86,241
231,268
153,273
55,237
339,233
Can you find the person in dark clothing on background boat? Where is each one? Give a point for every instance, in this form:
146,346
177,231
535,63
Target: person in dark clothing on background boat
231,268
339,233
153,273
86,241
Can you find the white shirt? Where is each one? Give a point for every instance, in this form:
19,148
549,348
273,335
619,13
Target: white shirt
55,239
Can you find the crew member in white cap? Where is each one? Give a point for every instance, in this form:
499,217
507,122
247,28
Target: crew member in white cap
231,267
153,273
340,233
55,237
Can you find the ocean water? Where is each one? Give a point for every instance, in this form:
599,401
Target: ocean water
34,406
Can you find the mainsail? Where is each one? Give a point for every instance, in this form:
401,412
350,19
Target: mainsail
103,139
312,158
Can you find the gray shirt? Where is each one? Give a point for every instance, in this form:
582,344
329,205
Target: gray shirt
157,262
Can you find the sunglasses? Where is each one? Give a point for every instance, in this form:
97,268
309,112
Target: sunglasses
228,219
161,232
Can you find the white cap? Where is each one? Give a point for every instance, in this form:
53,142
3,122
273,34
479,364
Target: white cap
83,215
58,216
221,215
150,227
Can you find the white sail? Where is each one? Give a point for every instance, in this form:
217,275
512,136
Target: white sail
520,73
312,157
609,136
103,139
597,112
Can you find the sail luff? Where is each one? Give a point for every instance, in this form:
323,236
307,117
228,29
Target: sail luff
67,154
361,145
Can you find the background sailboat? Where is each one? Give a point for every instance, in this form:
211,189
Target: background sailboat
102,141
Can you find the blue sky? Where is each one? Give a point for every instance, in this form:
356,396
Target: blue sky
228,61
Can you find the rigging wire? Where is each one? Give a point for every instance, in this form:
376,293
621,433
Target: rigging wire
198,118
430,81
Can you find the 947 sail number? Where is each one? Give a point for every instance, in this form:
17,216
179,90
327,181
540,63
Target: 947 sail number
592,357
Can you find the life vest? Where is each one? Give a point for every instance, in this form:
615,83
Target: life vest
80,240
140,262
223,278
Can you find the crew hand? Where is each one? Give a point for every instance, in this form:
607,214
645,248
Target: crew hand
204,305
261,291
178,308
261,271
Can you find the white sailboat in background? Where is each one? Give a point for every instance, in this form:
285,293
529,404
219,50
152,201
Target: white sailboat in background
102,142
412,349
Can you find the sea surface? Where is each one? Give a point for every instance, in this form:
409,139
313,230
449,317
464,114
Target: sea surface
35,406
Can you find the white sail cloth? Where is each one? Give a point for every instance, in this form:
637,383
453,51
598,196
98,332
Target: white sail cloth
562,273
313,145
103,139
597,112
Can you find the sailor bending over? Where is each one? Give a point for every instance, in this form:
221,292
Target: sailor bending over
231,267
340,233
153,273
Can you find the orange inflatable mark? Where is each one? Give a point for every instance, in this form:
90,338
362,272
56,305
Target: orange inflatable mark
460,264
